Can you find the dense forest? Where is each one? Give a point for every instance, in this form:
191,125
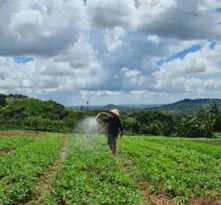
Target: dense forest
22,112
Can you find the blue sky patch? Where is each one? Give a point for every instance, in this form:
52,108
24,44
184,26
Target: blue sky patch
85,2
219,9
180,55
23,59
212,45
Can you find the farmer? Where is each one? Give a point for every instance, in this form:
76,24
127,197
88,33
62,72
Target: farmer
114,127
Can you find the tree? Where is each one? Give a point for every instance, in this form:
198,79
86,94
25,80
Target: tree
216,113
46,124
203,124
36,123
58,125
2,100
131,123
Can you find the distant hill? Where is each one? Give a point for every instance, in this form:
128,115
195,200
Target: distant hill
22,112
121,108
187,106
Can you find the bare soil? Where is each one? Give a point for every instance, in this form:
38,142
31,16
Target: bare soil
162,200
2,152
207,200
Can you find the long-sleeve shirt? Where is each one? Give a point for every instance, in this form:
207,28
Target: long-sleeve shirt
114,125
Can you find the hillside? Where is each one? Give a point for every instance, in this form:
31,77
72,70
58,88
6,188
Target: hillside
121,108
187,106
22,112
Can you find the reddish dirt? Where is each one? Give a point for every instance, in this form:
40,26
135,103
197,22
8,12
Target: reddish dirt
4,152
209,200
165,200
20,132
218,142
161,200
62,202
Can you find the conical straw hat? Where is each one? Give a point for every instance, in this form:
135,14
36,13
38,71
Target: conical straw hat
115,111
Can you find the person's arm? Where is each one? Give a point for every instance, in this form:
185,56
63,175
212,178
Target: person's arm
102,114
102,119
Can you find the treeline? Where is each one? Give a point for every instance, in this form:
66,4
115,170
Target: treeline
33,114
203,124
153,122
19,111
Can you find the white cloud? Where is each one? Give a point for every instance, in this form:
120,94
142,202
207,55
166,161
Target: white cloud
201,8
8,83
38,27
202,61
112,38
77,68
154,39
26,23
178,19
111,13
130,73
102,93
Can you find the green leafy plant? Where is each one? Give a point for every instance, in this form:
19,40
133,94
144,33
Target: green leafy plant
20,169
178,167
90,175
9,143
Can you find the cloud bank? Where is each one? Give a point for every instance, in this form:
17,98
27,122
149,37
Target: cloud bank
135,51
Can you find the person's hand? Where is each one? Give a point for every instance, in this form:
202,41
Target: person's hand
99,115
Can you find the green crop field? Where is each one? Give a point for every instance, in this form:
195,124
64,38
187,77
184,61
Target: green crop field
9,143
73,169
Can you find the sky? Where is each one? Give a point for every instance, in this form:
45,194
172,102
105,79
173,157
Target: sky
111,52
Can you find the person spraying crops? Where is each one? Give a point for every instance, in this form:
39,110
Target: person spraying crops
112,127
